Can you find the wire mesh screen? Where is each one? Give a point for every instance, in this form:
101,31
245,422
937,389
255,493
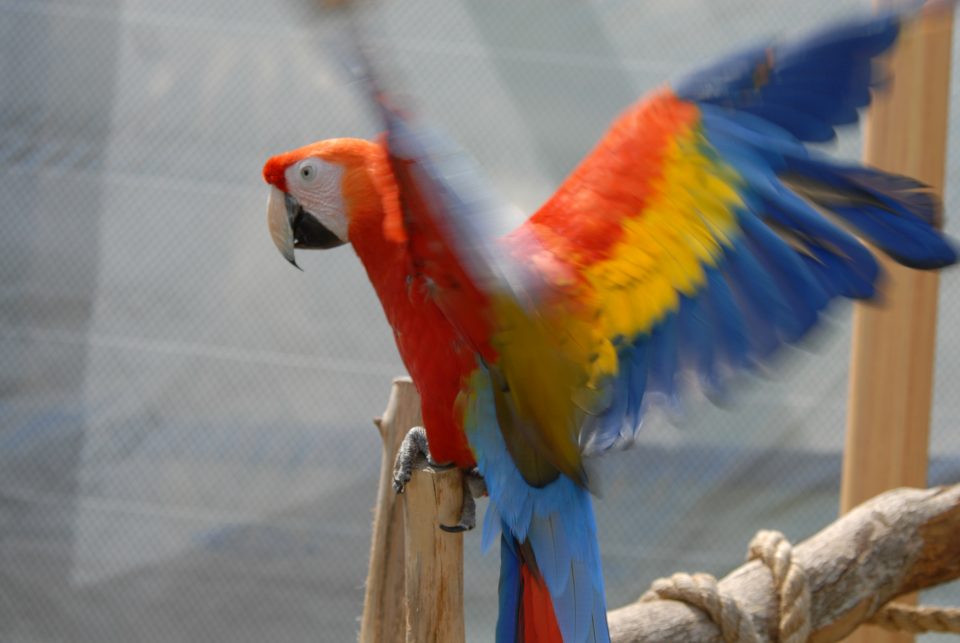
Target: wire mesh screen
186,452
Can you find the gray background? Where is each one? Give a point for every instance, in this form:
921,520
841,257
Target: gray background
186,451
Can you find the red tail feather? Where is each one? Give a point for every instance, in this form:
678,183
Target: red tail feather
538,621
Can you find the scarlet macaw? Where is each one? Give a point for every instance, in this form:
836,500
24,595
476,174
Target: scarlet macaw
698,236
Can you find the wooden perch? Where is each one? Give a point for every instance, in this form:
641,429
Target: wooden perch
434,558
384,616
413,558
902,541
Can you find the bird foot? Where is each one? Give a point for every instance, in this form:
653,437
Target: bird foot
473,487
414,452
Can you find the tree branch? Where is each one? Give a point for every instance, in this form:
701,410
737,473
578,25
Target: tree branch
899,542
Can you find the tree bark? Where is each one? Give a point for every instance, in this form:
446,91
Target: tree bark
899,542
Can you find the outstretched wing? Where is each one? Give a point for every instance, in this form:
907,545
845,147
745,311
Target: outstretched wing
701,233
699,236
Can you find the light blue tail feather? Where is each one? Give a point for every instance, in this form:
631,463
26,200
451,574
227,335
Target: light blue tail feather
556,521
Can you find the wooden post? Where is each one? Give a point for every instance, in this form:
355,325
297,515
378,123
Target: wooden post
434,558
384,619
891,374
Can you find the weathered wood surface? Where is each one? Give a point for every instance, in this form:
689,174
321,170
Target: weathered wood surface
434,558
896,543
384,615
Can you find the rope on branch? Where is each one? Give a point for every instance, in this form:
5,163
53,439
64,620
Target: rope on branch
821,590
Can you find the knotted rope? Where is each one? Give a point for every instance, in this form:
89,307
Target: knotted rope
790,583
701,591
917,619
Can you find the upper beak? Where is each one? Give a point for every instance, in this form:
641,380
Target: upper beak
293,227
280,217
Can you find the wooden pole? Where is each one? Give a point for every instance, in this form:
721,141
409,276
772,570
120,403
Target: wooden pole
384,619
415,579
891,374
434,558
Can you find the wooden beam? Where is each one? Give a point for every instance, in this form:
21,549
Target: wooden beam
891,373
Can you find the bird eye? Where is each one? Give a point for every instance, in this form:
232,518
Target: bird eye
308,172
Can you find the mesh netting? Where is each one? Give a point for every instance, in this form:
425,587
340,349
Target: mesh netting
186,452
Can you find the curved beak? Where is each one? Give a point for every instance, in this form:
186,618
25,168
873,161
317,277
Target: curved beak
280,221
293,227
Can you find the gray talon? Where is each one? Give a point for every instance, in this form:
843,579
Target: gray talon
413,447
413,452
473,487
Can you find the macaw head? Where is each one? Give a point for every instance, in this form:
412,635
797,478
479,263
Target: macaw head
318,191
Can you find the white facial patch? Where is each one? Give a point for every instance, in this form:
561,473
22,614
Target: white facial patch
318,187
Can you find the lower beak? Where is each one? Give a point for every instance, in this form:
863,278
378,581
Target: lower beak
293,227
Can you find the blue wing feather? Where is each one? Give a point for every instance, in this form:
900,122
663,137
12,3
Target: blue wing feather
733,344
766,315
832,69
697,341
787,259
637,383
800,289
663,361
